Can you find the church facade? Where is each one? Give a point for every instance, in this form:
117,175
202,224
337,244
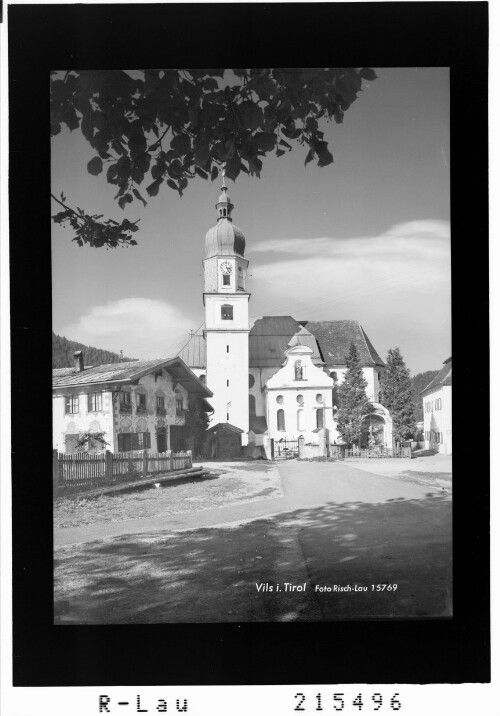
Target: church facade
273,377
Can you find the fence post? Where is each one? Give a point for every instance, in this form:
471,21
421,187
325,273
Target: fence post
144,463
300,445
108,465
55,473
272,448
189,458
171,460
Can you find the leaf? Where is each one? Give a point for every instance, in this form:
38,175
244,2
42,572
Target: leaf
264,141
215,173
368,74
138,196
201,173
126,199
325,158
172,185
152,189
181,144
285,144
280,152
251,114
309,157
233,167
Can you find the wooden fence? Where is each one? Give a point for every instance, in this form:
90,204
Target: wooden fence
81,471
379,452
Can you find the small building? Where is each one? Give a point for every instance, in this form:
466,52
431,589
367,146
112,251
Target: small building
436,400
223,442
135,405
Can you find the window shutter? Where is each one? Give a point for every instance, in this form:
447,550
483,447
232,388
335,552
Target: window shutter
120,442
147,440
134,441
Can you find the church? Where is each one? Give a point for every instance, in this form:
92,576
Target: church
273,378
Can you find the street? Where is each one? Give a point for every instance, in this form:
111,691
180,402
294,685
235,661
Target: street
328,549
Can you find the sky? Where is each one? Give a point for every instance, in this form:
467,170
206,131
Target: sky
366,238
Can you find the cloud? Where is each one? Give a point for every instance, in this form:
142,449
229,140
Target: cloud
397,283
141,327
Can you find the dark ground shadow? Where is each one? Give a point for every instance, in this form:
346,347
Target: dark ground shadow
210,575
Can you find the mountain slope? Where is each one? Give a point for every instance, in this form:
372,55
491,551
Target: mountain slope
63,350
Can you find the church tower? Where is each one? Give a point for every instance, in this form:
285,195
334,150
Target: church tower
226,318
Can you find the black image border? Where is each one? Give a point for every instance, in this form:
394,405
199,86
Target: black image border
46,37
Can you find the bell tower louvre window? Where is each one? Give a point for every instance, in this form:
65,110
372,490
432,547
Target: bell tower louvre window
226,312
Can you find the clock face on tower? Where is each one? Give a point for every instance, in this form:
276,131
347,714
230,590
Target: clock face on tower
226,268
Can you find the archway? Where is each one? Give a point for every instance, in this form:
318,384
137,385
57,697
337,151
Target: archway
372,430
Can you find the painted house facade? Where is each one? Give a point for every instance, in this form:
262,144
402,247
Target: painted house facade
250,366
135,405
436,403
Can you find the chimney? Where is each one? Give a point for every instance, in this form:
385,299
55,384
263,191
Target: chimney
78,356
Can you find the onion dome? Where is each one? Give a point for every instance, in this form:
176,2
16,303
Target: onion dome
224,239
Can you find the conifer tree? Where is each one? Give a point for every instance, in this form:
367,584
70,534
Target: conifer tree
396,390
353,403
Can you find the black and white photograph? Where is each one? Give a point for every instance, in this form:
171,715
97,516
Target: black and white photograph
252,379
256,280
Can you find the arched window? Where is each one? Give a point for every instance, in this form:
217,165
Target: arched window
280,418
300,399
319,399
226,312
301,419
203,378
320,419
299,370
251,404
279,399
334,375
251,380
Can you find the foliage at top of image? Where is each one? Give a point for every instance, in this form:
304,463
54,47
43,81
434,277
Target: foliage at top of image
165,127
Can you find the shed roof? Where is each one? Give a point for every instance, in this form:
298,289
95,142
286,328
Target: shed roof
194,353
335,338
131,371
443,377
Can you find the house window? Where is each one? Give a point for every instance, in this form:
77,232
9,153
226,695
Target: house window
251,404
144,440
94,402
320,418
70,441
227,349
125,401
226,312
160,405
280,420
178,406
301,419
71,404
226,280
227,383
141,402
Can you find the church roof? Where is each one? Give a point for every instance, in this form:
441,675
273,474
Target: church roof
335,338
270,337
443,377
194,353
224,239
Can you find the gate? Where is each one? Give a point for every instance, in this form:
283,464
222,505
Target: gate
286,449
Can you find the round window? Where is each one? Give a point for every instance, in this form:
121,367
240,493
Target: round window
279,399
251,380
300,399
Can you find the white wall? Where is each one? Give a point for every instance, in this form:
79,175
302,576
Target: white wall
83,421
438,418
231,365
